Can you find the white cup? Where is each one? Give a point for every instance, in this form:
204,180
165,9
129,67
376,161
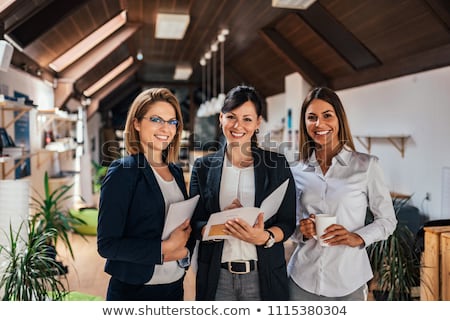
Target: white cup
322,222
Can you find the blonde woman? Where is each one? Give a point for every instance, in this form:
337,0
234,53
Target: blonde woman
135,195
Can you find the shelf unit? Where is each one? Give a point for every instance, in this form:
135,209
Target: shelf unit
11,106
41,154
398,141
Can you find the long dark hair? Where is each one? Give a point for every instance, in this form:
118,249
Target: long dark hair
306,143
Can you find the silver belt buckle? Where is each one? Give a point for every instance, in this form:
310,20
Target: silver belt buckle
247,267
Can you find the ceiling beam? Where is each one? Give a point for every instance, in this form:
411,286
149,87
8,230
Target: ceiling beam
441,9
287,52
32,27
99,53
431,59
338,37
109,88
62,92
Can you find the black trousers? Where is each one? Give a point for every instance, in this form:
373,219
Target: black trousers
120,291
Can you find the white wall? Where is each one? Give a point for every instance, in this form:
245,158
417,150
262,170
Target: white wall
43,96
93,130
39,91
278,106
417,105
275,110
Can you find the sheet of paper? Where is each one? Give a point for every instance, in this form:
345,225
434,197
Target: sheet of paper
178,213
216,223
272,203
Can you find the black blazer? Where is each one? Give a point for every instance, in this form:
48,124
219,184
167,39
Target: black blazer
271,169
131,219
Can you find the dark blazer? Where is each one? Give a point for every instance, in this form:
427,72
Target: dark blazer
131,218
271,169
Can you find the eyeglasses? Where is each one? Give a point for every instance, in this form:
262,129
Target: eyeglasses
159,122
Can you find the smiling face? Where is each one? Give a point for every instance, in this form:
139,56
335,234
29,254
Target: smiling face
322,124
239,124
154,134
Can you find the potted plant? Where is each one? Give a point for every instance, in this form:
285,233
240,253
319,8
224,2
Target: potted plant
27,272
395,262
49,214
98,175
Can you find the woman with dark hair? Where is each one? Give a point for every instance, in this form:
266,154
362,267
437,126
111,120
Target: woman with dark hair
332,178
251,265
135,195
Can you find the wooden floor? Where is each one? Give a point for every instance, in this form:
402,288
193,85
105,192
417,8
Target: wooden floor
86,273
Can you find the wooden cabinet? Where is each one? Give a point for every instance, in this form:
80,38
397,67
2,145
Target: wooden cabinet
435,267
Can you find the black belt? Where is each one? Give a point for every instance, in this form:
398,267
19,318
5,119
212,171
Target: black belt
239,267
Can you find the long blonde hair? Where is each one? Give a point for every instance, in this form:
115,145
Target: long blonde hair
139,108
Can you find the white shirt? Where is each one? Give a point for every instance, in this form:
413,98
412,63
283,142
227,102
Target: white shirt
353,182
237,183
167,272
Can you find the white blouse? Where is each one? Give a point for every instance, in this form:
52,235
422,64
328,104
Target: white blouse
167,272
353,182
237,183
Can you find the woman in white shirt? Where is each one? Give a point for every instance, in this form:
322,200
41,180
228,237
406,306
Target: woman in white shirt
331,177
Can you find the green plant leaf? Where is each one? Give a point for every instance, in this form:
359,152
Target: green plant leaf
394,261
29,272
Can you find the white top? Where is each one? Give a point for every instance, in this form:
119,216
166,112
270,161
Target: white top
237,183
167,272
353,182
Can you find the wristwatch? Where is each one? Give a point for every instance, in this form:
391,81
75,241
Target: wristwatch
185,262
270,241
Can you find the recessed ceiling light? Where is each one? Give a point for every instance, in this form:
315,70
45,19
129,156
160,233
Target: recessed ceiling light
292,4
171,26
182,72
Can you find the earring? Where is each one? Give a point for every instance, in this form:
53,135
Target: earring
257,131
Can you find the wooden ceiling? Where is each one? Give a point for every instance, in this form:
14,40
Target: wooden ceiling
337,43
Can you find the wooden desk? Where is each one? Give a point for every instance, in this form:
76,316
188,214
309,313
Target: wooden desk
435,275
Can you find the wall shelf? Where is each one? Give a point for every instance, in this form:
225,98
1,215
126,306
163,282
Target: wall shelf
21,109
12,106
398,141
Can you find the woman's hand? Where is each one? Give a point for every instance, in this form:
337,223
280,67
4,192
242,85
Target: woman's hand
243,231
308,227
338,235
234,204
174,247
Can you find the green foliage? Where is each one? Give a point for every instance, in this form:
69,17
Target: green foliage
395,262
50,216
28,272
98,175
